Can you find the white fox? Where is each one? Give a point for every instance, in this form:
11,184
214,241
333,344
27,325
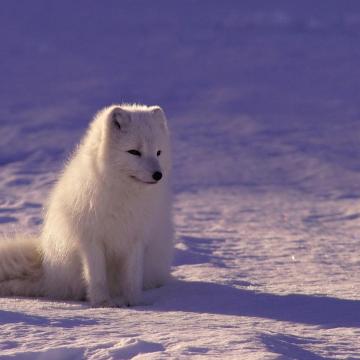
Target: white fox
108,231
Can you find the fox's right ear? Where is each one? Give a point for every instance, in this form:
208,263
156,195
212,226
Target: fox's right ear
159,114
120,118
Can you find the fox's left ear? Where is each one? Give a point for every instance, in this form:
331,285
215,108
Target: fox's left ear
120,118
160,116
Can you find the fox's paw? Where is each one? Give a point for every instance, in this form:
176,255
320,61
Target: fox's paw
104,303
133,300
119,301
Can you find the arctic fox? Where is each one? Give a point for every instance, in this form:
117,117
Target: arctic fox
107,231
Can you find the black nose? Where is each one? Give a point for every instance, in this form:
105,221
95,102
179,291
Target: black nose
157,175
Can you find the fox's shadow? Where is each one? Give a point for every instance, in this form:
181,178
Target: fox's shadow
205,297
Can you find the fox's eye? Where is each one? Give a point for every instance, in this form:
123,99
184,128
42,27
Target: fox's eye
158,153
134,152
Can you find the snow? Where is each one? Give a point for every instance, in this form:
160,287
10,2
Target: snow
263,103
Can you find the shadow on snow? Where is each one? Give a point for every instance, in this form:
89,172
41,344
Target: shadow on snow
7,317
290,346
204,297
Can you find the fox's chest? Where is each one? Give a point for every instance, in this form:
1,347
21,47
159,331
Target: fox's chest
124,223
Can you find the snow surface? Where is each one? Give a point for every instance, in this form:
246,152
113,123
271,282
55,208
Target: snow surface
263,100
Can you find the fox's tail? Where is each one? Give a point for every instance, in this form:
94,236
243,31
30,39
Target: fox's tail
20,267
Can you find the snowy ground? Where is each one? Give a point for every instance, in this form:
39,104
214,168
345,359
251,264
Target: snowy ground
263,100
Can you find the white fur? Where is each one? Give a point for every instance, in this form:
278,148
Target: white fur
107,232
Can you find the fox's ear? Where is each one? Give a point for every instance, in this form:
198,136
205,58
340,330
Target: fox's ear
160,115
120,118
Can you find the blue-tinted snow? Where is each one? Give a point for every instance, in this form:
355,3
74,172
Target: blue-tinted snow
263,100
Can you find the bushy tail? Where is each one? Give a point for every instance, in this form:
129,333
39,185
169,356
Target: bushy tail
20,267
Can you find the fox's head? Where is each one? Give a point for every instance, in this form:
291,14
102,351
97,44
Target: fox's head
136,143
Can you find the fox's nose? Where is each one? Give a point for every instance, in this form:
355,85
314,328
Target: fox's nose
157,175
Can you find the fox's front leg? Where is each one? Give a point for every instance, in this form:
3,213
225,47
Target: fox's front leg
94,262
132,276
